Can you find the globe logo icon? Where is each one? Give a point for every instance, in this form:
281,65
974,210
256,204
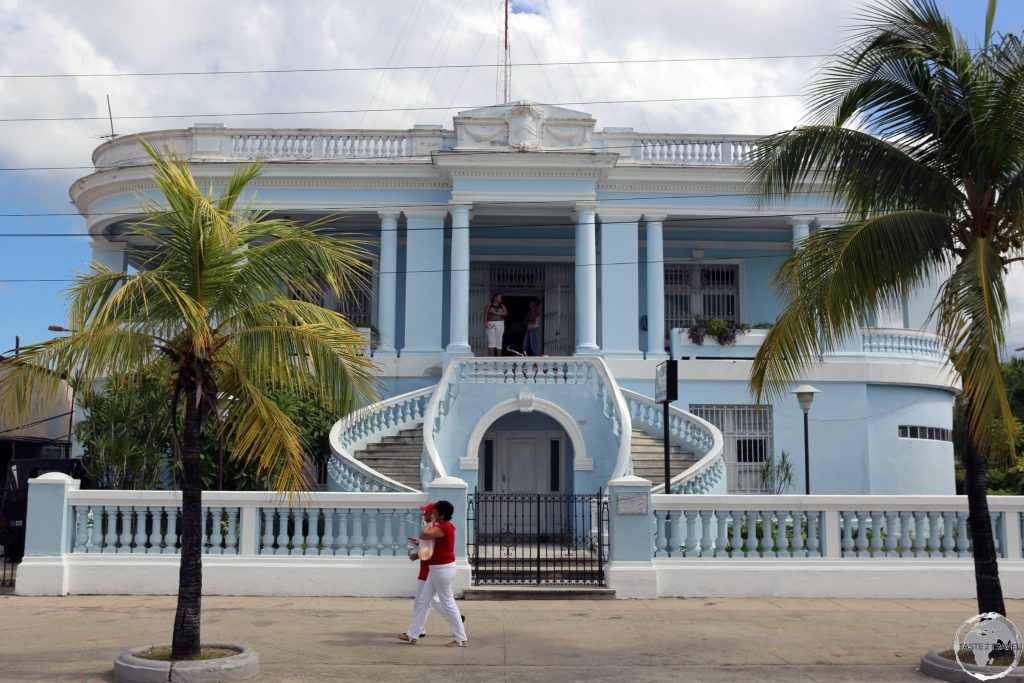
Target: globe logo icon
988,639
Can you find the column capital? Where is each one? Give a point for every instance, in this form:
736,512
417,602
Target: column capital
584,207
98,244
655,217
388,215
794,221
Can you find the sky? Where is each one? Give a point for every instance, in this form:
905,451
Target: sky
127,36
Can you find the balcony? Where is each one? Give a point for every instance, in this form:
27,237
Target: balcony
873,344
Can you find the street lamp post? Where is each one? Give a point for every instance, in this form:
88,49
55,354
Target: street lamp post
805,397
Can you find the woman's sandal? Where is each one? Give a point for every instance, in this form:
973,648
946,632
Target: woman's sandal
406,639
458,643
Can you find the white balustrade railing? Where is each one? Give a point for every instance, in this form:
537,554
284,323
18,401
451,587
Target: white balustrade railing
269,145
371,425
828,526
696,150
912,344
687,431
243,523
577,370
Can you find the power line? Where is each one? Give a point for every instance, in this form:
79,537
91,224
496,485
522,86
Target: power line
133,117
342,69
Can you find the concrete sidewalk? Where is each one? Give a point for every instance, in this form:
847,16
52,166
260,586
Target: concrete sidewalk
352,639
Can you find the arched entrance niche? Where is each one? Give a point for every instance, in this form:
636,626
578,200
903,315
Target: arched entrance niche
526,451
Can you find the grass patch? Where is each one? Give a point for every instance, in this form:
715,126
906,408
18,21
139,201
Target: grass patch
1003,658
163,654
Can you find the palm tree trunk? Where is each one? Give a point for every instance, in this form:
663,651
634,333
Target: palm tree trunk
185,644
986,567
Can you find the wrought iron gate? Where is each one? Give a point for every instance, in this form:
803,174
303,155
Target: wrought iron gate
7,571
555,539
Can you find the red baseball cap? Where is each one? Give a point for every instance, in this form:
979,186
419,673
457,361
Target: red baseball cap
429,507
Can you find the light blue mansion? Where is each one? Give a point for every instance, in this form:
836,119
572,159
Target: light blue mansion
625,238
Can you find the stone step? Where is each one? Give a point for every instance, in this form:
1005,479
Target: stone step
538,593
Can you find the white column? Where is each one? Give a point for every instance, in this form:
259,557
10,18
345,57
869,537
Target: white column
388,288
110,254
655,288
801,230
424,281
458,318
586,281
620,284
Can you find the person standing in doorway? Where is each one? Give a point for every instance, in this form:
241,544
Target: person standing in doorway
494,323
439,580
531,341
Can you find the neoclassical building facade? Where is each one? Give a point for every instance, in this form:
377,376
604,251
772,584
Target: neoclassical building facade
626,240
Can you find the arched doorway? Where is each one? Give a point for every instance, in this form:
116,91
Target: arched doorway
526,453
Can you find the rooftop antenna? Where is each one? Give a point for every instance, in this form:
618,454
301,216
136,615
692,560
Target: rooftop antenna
507,66
110,117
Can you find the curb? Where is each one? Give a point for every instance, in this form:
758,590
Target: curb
948,670
131,669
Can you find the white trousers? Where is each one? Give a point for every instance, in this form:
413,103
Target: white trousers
439,583
421,586
495,333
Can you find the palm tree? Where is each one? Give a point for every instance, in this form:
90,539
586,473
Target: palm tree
920,138
209,306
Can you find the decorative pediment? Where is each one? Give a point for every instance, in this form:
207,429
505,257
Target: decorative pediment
523,126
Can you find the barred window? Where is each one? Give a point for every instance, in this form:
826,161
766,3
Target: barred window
700,290
747,431
928,433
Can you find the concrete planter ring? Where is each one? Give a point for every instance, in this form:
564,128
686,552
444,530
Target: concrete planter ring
131,669
948,670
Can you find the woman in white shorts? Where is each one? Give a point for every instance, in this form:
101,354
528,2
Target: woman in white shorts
494,324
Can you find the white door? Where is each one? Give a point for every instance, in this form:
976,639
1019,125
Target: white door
520,464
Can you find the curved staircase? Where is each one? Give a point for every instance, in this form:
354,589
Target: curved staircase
396,457
649,457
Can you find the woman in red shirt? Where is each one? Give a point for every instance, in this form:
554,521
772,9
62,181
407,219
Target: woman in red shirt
439,580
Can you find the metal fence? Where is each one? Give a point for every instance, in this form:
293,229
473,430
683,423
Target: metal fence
8,569
538,538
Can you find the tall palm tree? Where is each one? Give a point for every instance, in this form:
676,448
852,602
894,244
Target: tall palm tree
920,138
210,305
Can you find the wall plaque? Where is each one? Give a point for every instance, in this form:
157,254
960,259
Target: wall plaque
632,504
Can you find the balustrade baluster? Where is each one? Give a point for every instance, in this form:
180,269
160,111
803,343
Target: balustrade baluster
95,543
373,540
891,519
798,546
297,541
920,519
216,534
933,534
313,531
767,541
736,543
707,538
328,543
948,537
171,538
231,539
125,539
692,542
863,529
81,529
281,541
813,540
782,542
390,548
661,535
141,513
356,547
750,542
963,544
341,538
846,520
906,547
996,535
877,541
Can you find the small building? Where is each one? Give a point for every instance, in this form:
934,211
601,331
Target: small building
629,242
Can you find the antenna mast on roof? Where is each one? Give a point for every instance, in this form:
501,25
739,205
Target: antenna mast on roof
507,66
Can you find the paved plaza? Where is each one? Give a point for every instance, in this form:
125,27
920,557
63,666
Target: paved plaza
352,639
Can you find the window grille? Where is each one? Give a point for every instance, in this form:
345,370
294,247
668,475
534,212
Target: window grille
747,431
928,433
700,290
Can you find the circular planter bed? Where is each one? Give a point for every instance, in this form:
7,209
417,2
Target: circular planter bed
129,667
937,666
